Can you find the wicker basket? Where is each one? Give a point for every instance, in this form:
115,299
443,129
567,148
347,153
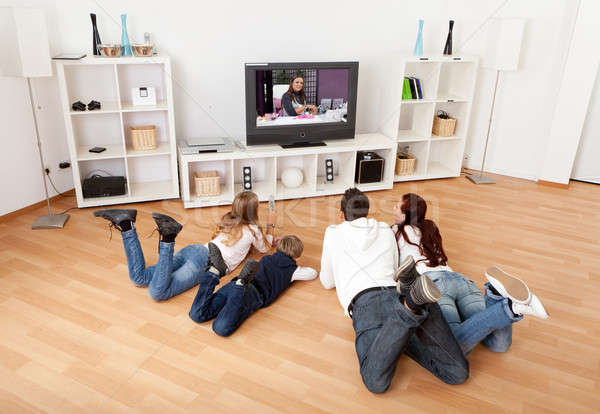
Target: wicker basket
443,127
143,137
207,183
405,166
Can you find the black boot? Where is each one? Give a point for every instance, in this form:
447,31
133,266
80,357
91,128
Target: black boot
119,218
167,227
216,264
406,275
248,271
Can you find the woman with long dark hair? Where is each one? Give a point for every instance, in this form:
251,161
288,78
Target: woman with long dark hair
473,317
293,100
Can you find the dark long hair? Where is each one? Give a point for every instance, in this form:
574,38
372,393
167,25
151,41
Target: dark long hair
414,209
290,90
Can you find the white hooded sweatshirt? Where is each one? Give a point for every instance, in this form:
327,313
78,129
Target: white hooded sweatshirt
358,255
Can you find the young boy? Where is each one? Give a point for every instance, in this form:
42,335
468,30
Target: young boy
257,286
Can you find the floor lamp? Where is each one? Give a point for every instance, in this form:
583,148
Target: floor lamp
503,48
24,41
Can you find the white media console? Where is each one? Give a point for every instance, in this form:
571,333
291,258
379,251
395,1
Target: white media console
268,162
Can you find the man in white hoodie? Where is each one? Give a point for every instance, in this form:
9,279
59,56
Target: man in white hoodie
359,259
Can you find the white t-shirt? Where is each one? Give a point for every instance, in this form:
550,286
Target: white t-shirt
251,236
407,249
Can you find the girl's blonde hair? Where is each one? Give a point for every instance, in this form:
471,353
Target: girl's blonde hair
244,212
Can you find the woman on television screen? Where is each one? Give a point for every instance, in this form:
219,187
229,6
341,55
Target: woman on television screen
293,101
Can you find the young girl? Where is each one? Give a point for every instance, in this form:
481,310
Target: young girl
176,273
472,316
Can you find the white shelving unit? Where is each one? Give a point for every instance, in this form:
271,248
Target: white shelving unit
447,83
268,162
151,174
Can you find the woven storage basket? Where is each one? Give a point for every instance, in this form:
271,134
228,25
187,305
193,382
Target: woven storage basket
143,137
443,127
405,166
207,183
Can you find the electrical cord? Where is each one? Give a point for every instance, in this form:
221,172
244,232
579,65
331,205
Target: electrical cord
54,187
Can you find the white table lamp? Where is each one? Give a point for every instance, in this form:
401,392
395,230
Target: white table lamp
26,54
503,48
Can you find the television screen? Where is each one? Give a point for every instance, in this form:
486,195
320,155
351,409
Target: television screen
289,103
301,96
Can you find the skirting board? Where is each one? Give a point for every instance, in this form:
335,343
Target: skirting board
34,206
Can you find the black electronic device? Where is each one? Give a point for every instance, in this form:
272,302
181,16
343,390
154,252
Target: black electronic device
247,172
329,170
98,186
97,150
369,167
270,116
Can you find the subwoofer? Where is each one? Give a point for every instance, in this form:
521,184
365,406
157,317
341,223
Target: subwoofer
369,167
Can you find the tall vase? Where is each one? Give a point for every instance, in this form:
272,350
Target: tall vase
448,47
419,42
125,46
95,36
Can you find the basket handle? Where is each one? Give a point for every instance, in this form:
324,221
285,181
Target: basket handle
443,114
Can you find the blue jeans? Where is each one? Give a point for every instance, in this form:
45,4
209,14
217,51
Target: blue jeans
473,317
385,329
172,274
230,306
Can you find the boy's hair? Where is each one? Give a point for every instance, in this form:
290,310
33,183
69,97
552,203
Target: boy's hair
355,204
291,245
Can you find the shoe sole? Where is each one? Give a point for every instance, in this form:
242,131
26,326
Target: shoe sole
429,289
507,285
215,252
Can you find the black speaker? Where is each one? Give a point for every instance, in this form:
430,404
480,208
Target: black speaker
329,170
369,167
247,171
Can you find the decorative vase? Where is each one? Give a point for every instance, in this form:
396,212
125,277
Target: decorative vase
292,177
95,36
448,47
419,43
124,37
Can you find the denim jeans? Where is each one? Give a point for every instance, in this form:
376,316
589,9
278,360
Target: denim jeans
473,317
385,329
172,274
230,306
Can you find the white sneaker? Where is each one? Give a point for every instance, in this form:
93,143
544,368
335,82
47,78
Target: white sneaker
508,286
533,308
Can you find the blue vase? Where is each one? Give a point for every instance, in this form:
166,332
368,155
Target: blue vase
125,46
419,43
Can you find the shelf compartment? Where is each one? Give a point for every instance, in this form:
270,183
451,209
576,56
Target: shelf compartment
308,165
389,155
148,169
415,122
263,176
152,190
112,151
428,75
102,130
141,75
108,107
162,149
456,110
343,172
103,167
159,119
87,82
418,149
456,79
445,158
129,107
224,167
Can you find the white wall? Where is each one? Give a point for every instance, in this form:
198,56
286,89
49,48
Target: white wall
210,41
587,167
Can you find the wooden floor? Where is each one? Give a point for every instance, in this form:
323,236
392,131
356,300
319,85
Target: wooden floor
77,336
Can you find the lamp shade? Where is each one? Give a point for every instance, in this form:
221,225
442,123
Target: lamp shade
503,46
24,43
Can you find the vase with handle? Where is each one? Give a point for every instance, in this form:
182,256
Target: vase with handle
95,36
448,47
419,42
125,46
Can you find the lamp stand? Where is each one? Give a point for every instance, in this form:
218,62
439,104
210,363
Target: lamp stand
480,178
48,221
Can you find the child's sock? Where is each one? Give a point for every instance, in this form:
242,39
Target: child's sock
168,238
125,225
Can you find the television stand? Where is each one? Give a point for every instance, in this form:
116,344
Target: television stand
303,144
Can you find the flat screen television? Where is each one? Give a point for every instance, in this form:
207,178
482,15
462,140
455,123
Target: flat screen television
300,104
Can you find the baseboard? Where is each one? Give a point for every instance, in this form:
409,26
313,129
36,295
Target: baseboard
32,207
552,184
